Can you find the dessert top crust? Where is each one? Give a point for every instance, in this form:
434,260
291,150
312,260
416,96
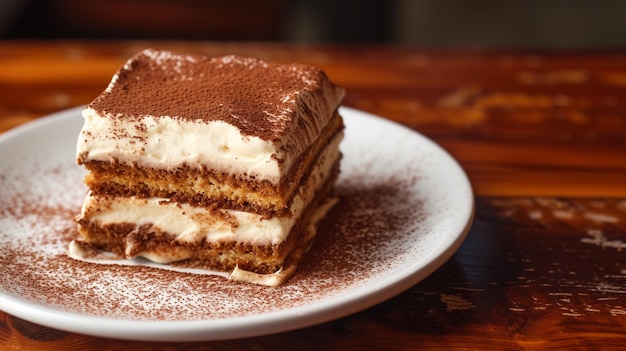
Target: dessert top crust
260,98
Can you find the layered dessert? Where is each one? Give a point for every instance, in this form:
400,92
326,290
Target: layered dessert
223,164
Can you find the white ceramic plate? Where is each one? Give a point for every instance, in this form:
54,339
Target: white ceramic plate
405,208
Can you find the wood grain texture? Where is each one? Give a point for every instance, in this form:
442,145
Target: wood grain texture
542,137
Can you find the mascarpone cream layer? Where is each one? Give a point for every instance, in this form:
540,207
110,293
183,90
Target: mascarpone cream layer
77,251
166,142
189,224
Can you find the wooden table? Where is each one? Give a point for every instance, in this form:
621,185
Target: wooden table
542,137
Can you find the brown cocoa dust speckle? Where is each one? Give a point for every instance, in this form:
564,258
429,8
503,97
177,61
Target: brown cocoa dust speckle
365,237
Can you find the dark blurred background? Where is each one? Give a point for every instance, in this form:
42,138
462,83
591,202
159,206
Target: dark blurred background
551,24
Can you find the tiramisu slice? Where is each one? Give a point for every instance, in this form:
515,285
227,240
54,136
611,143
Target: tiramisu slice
220,163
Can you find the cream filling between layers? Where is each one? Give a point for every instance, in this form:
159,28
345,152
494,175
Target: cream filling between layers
194,224
168,142
281,276
190,224
76,251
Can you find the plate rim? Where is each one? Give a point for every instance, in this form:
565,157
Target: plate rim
292,318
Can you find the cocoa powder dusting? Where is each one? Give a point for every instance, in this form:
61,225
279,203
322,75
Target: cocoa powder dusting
256,96
365,237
